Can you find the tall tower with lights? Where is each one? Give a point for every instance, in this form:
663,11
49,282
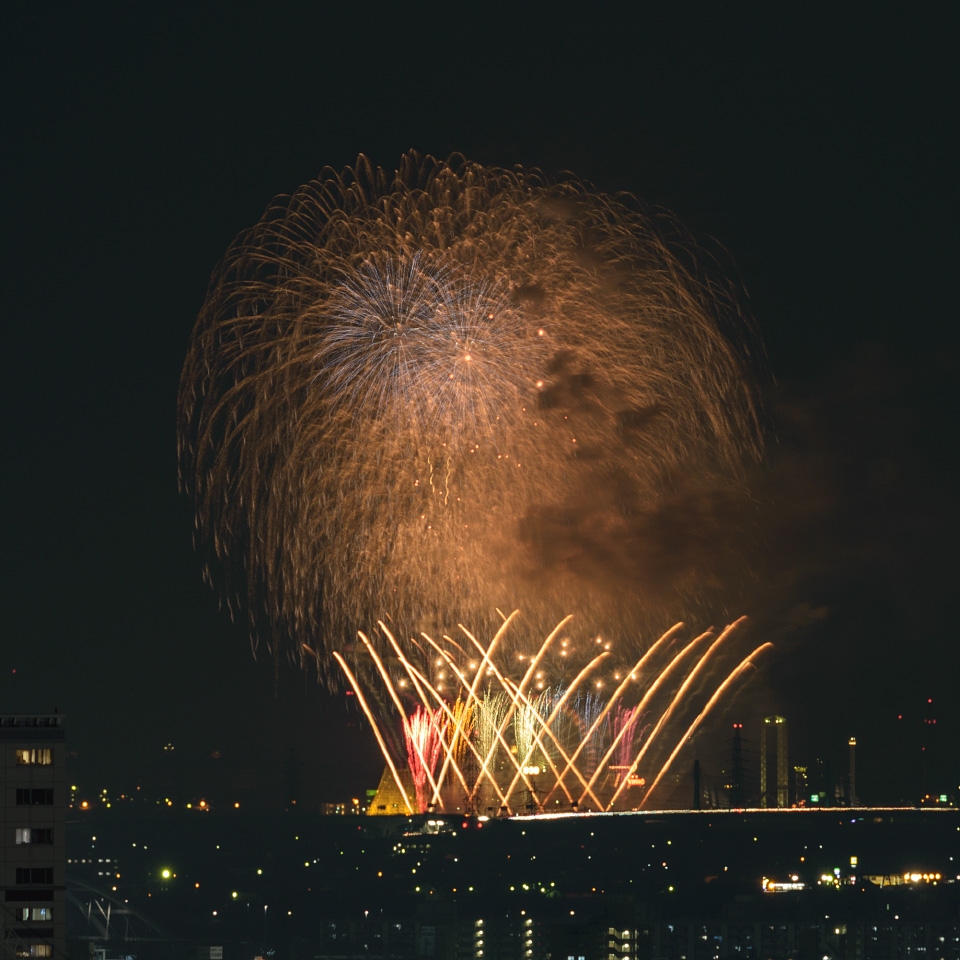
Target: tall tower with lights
774,726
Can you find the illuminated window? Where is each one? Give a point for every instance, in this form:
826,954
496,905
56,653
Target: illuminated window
35,950
34,913
34,835
43,757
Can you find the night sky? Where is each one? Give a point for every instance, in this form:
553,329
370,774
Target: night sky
818,150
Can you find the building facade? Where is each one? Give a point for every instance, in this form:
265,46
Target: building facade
774,794
33,800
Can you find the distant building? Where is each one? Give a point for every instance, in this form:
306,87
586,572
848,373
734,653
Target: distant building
388,800
774,795
33,795
852,776
801,785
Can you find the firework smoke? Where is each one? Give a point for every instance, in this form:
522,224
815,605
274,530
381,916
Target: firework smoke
424,394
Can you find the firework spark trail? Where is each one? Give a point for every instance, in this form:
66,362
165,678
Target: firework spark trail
592,715
558,719
526,724
535,725
492,716
625,723
459,734
519,696
396,376
422,685
420,313
481,721
422,764
461,729
424,737
729,681
660,680
516,700
376,729
487,654
557,701
590,738
518,690
499,739
678,697
449,640
495,709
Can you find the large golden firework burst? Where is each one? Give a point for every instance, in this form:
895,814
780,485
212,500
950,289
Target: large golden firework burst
407,394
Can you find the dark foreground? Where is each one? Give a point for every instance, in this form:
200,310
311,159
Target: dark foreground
865,883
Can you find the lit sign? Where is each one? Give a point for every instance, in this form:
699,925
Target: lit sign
781,886
531,771
636,781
